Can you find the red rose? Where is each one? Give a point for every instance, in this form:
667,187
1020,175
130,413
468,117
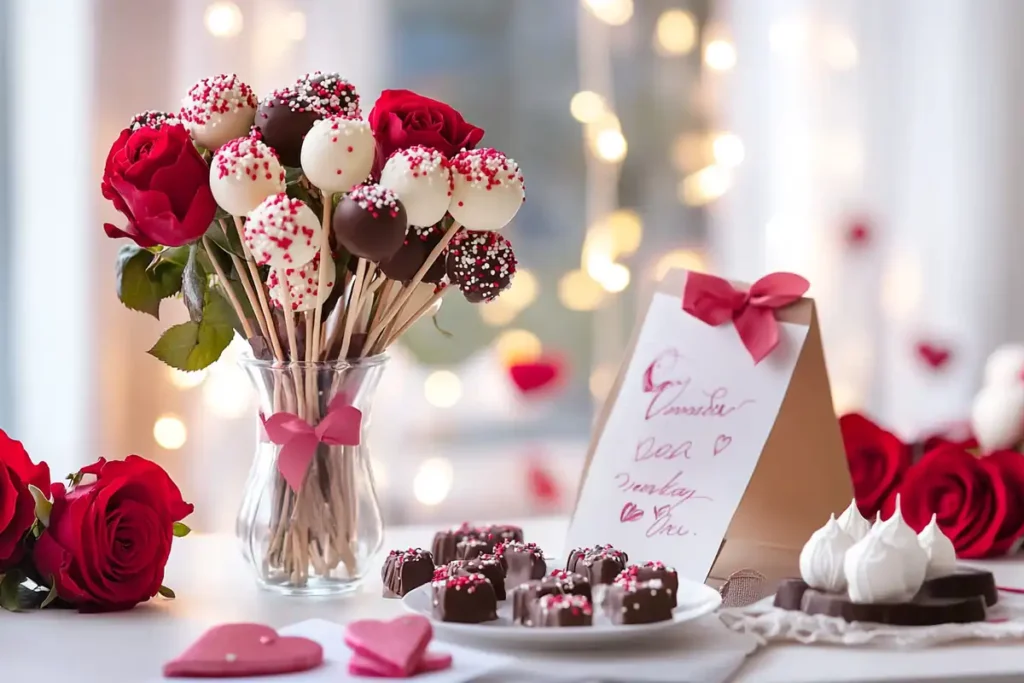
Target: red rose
877,461
157,179
17,507
401,119
979,503
108,541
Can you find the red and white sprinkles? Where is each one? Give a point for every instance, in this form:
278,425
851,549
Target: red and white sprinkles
574,604
152,119
422,178
441,575
376,200
243,173
409,554
218,109
467,582
303,284
282,231
337,153
482,264
518,547
329,94
487,189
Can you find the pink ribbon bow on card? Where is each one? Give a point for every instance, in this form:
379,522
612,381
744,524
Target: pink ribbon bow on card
298,439
716,302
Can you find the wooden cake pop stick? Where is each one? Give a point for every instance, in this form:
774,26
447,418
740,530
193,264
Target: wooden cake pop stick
260,291
228,289
325,253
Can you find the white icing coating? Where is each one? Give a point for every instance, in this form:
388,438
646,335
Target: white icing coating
997,416
282,232
1005,365
303,284
939,550
243,173
421,178
218,109
853,523
487,189
821,560
913,560
337,153
874,571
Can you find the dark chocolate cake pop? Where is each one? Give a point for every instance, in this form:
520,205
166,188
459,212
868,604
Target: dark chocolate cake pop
283,119
330,94
153,119
418,244
481,263
370,222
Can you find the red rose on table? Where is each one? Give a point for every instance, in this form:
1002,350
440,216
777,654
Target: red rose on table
157,179
877,461
17,506
108,541
401,119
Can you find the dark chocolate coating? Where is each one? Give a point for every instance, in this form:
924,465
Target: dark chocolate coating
405,570
481,263
465,599
639,602
468,548
370,233
561,610
961,606
652,570
559,582
283,119
506,532
965,583
600,564
406,262
331,94
522,561
445,545
488,565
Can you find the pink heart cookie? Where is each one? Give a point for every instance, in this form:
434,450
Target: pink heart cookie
397,645
231,650
365,666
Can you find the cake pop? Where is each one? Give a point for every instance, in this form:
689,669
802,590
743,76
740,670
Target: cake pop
153,119
283,119
330,94
218,109
303,283
487,189
370,222
282,232
422,179
406,262
243,173
337,153
481,263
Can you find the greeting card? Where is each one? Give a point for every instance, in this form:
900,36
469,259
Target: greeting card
718,448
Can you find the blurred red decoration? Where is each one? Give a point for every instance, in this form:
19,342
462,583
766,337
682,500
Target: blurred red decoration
935,356
542,486
545,373
858,234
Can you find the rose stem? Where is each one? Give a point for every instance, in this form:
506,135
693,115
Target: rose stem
228,289
321,287
353,308
416,279
420,312
249,293
260,290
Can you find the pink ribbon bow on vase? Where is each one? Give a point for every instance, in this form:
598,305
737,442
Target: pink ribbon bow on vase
298,439
716,302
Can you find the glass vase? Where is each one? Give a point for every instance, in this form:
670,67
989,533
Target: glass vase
312,533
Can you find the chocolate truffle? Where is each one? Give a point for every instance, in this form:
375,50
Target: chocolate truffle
283,118
652,570
522,562
488,565
639,602
329,94
561,610
468,548
487,189
337,153
243,173
559,582
482,264
600,564
282,232
405,570
418,243
465,599
370,222
153,119
506,532
446,542
218,109
421,178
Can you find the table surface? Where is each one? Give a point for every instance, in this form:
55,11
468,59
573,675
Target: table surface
213,585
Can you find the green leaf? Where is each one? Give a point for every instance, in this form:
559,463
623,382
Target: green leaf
193,284
141,288
10,590
166,592
51,596
74,479
175,255
180,529
43,505
194,345
223,234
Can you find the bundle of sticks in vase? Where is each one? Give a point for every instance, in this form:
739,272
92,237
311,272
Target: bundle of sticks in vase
341,233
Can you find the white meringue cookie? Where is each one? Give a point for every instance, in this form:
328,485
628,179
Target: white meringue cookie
939,550
997,416
821,560
874,571
913,560
853,523
1005,365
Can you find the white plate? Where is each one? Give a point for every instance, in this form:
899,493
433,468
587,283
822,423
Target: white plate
694,600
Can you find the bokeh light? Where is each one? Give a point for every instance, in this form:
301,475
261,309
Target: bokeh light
579,292
169,432
587,106
433,481
442,389
223,19
720,55
676,32
517,346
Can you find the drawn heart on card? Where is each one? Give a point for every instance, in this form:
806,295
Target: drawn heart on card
722,442
630,513
245,650
934,355
396,645
662,510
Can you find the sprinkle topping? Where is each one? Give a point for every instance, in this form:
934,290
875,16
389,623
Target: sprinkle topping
468,582
375,199
329,94
282,230
152,119
408,554
657,565
248,158
304,283
213,97
423,162
518,547
558,602
441,575
487,168
481,263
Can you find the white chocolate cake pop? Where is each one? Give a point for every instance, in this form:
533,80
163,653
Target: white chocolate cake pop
422,179
939,549
821,560
243,173
218,109
853,523
303,284
282,232
487,189
337,153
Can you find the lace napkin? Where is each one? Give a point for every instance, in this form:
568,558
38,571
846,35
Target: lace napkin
769,624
